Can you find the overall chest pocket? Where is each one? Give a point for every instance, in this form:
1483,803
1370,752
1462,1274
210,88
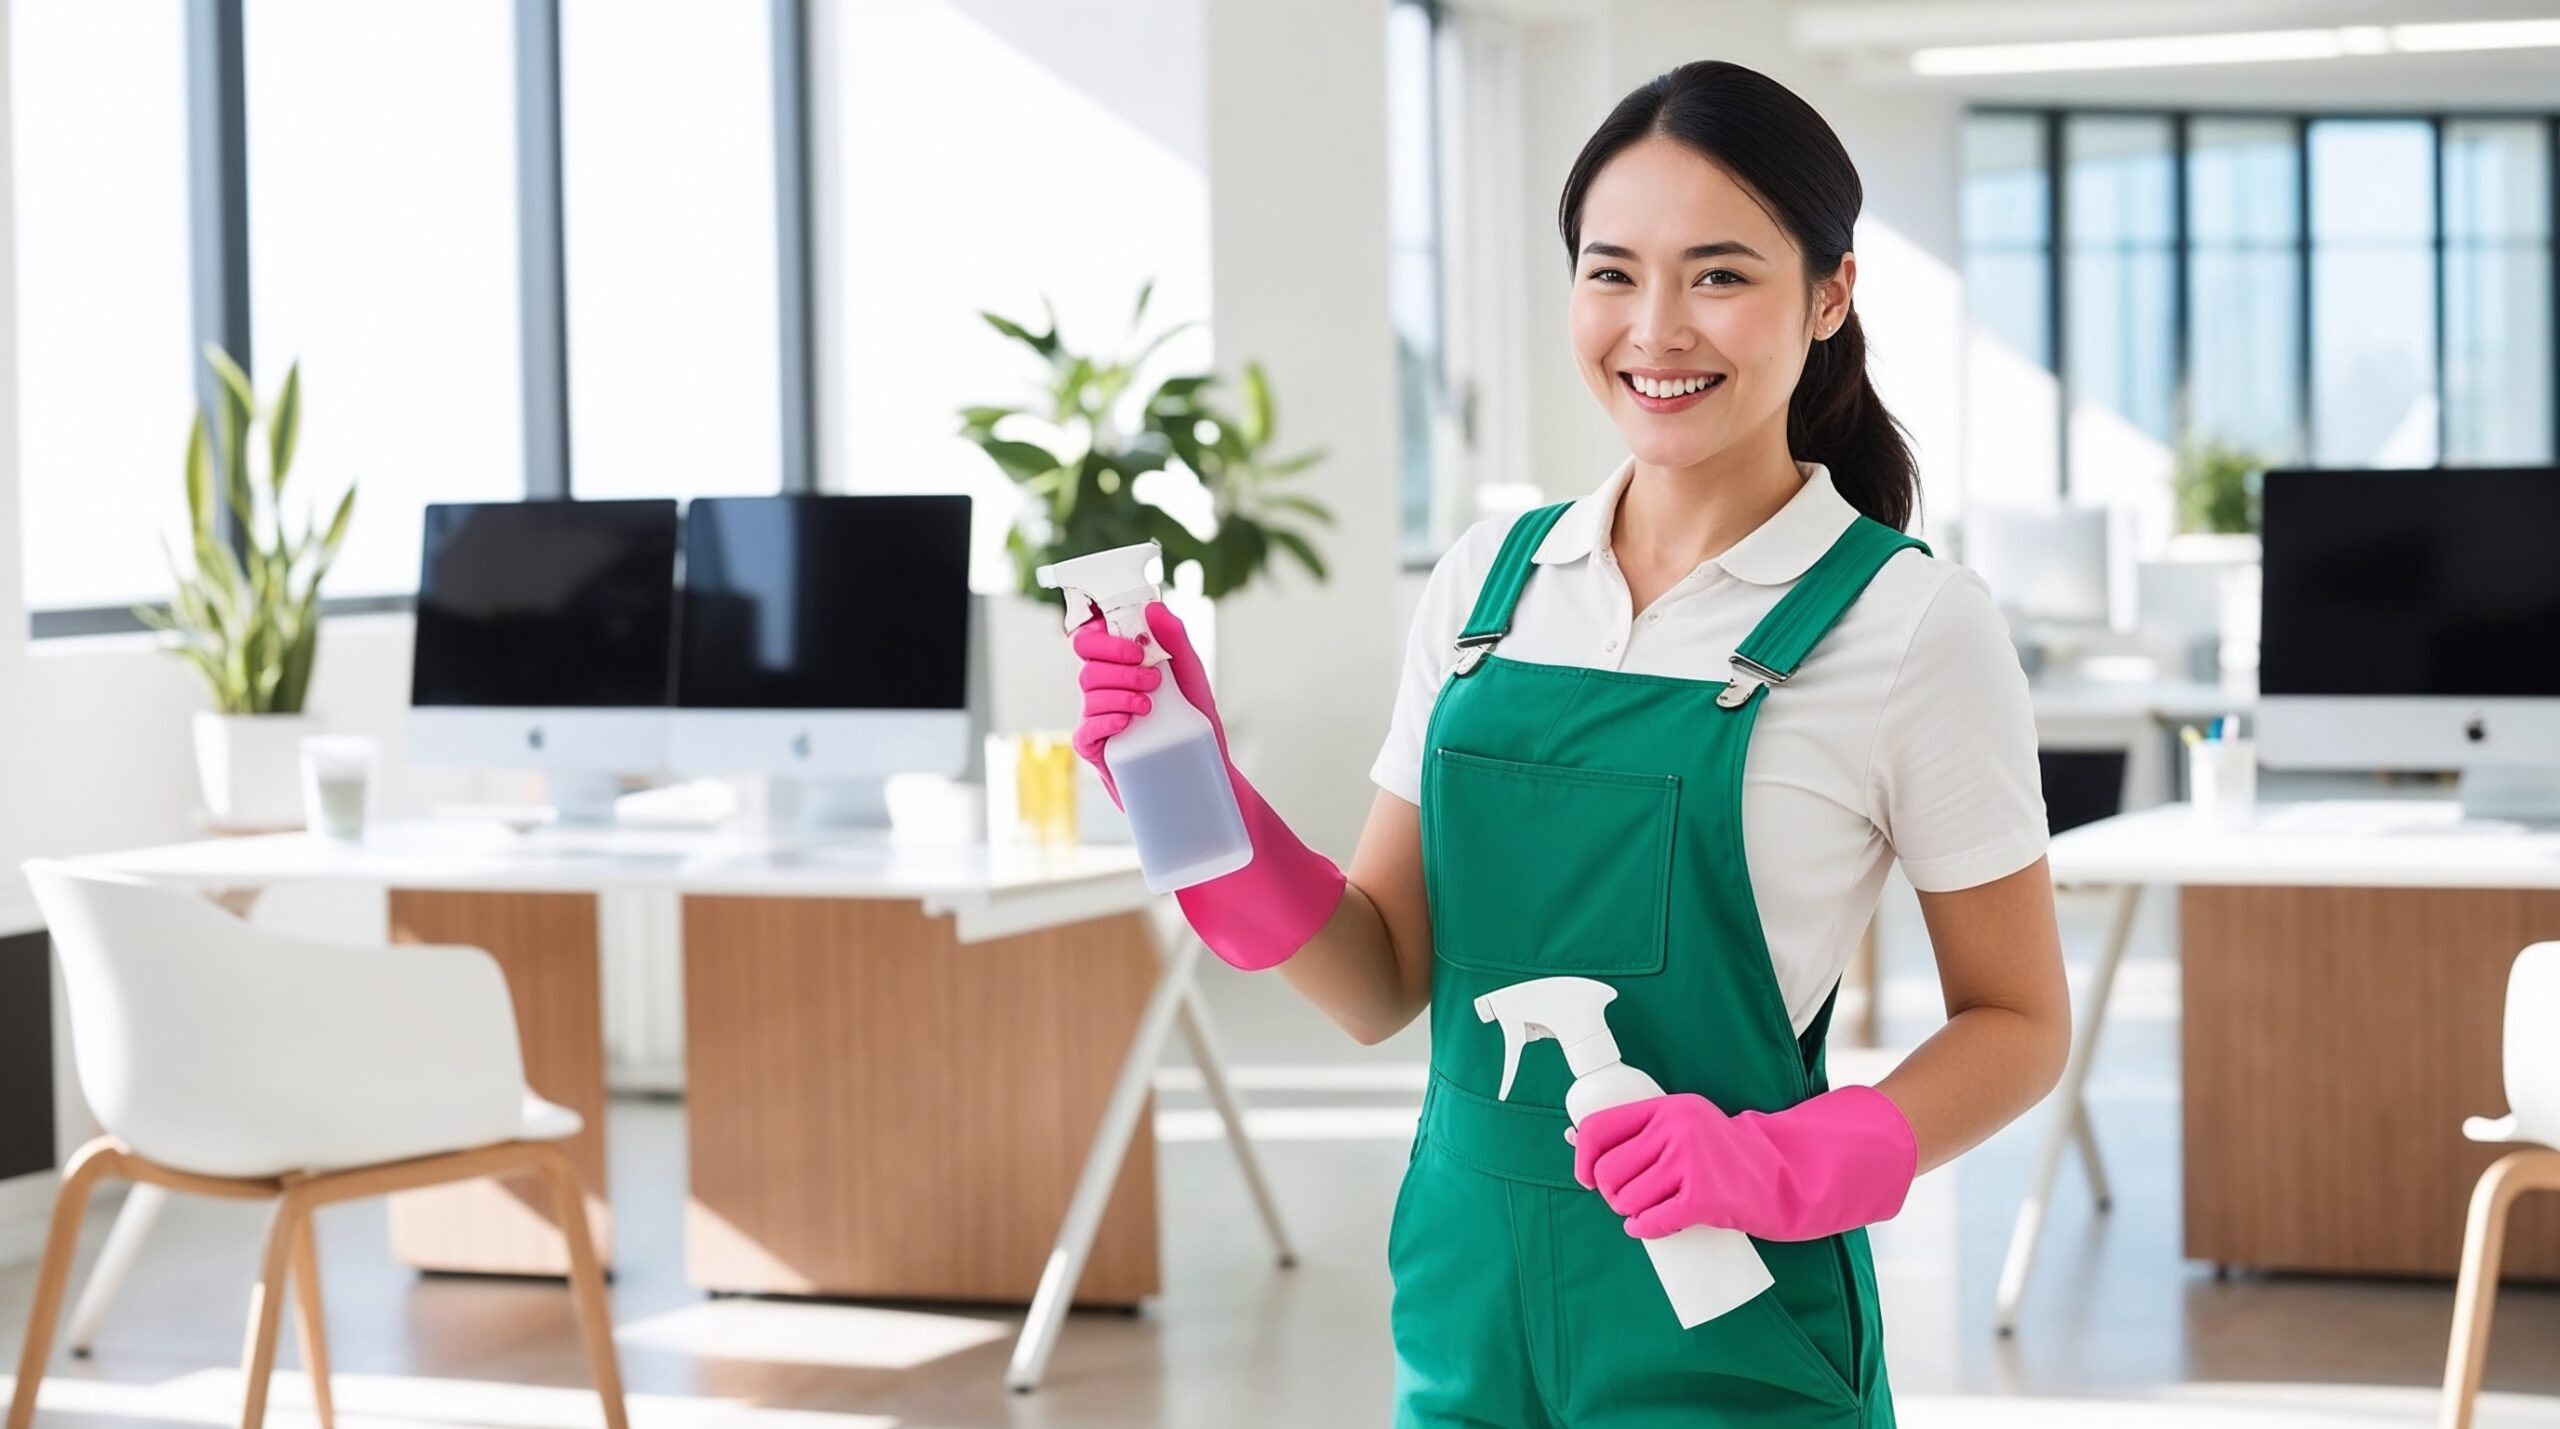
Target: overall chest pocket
1540,868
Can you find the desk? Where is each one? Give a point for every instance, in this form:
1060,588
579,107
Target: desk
912,1070
2343,980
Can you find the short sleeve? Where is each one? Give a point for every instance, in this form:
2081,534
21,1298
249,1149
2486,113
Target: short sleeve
1429,653
1953,779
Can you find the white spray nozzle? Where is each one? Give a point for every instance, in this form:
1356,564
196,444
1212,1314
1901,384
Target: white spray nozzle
1116,581
1572,1010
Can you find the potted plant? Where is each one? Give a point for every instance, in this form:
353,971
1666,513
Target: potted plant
1081,479
2217,485
245,612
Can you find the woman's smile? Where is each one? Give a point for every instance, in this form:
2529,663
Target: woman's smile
1670,396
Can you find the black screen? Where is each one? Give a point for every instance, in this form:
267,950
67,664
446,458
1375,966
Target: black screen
546,603
825,603
2435,582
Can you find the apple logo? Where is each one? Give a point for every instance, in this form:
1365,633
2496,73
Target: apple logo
2476,729
800,745
533,737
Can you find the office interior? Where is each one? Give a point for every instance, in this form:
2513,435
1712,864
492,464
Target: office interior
664,345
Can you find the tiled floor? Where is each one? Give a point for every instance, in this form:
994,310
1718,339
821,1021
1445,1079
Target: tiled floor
2119,1331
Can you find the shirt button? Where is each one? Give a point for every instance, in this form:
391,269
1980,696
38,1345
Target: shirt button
1651,616
1612,645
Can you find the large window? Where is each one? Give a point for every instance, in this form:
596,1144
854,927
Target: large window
2362,290
1414,268
106,378
2013,407
2497,291
2120,285
2244,284
667,175
382,254
2373,296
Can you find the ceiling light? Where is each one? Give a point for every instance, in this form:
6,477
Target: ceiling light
2237,47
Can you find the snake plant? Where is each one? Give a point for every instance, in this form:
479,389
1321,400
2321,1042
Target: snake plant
246,614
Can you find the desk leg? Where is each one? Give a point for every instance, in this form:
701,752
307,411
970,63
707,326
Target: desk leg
1102,1167
2070,1119
546,946
1213,1076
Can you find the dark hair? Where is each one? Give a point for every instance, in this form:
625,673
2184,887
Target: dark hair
1781,150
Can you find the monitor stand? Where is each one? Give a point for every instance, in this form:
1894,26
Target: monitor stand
583,798
827,810
2511,794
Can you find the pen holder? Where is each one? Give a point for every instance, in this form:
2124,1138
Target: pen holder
2222,782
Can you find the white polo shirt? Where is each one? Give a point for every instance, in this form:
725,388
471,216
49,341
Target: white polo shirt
1906,734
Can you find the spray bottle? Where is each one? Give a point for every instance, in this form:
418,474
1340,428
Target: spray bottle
1707,1270
1167,766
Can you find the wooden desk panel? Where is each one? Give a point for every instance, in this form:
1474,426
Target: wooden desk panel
546,945
875,1109
2333,1041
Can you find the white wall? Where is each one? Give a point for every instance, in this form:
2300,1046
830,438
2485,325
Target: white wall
1298,245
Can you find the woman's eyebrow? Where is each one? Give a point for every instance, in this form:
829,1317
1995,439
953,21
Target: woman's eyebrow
1703,250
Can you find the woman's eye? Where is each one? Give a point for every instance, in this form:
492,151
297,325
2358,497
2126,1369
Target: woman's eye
1602,274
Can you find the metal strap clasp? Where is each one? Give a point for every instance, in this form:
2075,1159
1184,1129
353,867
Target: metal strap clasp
1749,677
1472,650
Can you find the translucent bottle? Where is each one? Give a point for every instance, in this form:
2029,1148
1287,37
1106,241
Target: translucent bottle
1167,766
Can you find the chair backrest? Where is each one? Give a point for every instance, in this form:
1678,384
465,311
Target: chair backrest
2533,1043
212,1045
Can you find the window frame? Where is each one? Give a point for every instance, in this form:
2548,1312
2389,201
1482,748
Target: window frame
2302,121
218,256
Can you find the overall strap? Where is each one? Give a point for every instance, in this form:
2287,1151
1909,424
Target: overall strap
1491,619
1773,649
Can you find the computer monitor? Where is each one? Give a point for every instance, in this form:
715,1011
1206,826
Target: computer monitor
546,639
2046,566
829,639
2411,620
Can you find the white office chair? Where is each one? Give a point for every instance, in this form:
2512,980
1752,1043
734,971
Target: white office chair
225,1060
2533,1122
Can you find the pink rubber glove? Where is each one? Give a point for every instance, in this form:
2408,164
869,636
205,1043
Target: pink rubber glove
1843,1159
1259,915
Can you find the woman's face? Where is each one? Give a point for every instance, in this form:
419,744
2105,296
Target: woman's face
1733,312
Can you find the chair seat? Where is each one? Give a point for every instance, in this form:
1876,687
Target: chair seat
549,1121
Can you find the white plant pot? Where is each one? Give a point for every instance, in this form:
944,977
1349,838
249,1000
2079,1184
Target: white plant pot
250,767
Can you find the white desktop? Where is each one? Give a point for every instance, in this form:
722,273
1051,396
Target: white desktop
2412,621
542,642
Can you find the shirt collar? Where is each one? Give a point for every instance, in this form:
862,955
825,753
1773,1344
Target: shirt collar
1776,552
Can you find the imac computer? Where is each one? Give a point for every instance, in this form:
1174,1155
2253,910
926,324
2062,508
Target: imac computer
2412,621
546,639
827,641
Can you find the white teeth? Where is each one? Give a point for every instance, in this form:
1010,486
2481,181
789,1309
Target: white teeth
1651,388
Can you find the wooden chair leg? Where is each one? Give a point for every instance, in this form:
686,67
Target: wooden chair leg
1870,977
312,1321
53,1276
266,1307
586,1280
2475,1295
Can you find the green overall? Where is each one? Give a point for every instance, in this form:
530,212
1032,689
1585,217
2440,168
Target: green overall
1589,822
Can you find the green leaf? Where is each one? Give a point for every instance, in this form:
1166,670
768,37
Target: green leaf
1293,465
984,419
1020,460
1144,289
1174,388
1066,397
1301,505
1297,546
337,528
199,478
1257,405
233,377
287,430
1046,346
